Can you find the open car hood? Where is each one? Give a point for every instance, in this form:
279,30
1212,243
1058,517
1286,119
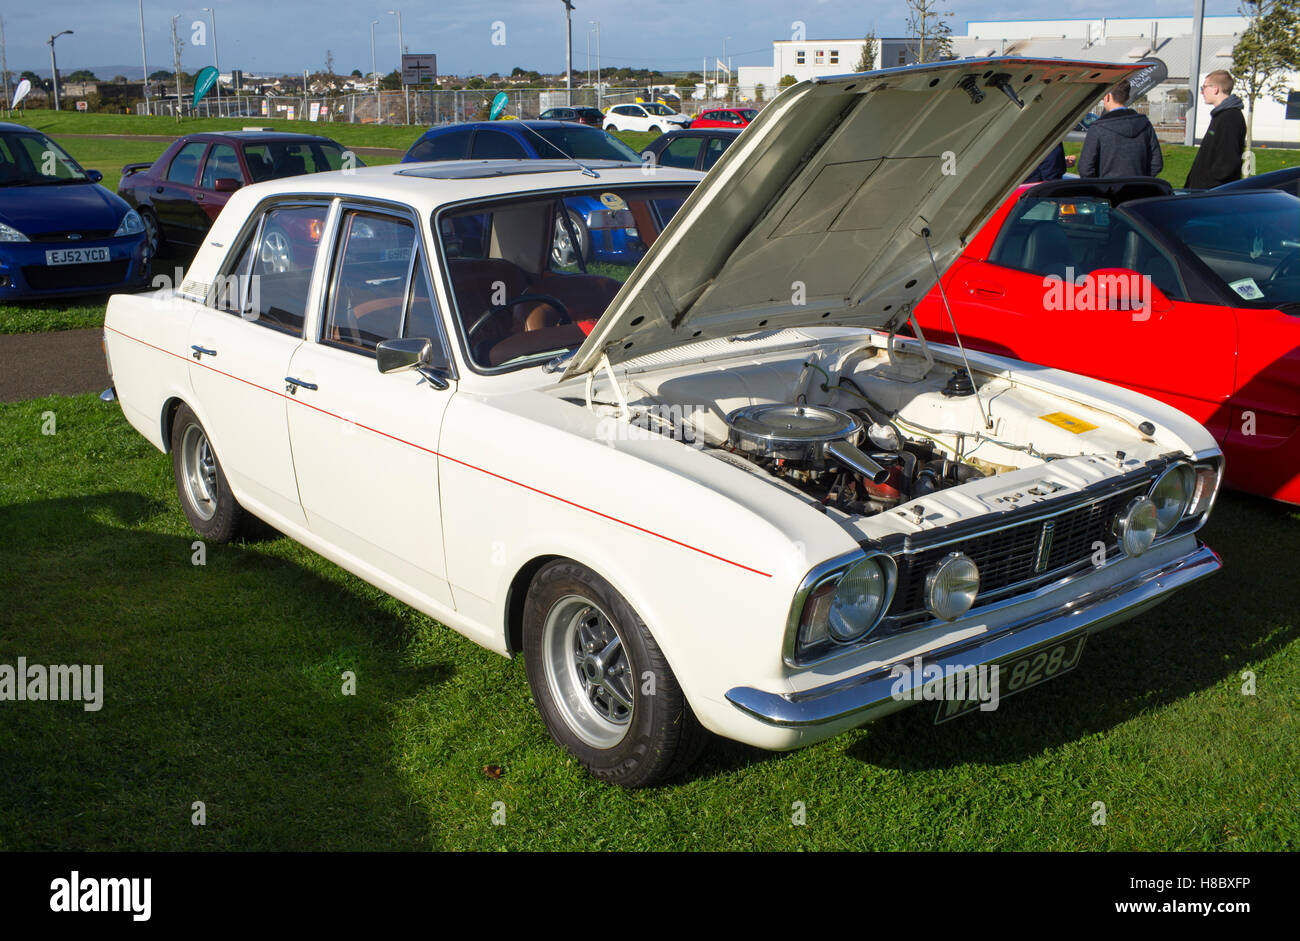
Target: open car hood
816,214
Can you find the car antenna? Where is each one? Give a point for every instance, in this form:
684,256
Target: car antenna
925,234
582,166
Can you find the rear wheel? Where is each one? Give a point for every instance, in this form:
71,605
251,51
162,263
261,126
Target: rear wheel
201,484
601,683
656,129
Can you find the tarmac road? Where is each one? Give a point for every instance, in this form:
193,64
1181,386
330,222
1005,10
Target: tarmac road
61,362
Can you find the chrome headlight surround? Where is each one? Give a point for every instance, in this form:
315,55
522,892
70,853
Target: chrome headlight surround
819,602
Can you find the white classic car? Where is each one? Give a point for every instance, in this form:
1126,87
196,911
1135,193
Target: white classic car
708,486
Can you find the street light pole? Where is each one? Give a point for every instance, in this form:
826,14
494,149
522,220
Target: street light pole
568,49
374,72
215,62
599,96
54,66
401,49
1194,76
144,60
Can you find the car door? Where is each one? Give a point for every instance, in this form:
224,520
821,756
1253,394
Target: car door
174,195
242,343
1263,435
1020,302
365,444
221,163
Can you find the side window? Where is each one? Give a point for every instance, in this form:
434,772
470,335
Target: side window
713,152
280,270
494,145
370,290
449,146
681,153
185,165
222,163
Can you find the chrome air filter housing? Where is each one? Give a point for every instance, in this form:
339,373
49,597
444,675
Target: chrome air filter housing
796,433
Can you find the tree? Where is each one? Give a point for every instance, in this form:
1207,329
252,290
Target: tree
1268,49
867,61
391,81
80,75
356,73
925,26
758,92
787,81
162,75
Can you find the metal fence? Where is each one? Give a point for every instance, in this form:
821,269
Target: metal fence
414,105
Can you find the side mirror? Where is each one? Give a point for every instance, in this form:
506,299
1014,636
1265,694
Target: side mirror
226,184
410,353
94,176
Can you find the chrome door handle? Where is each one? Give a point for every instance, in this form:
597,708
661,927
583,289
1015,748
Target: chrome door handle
201,351
292,384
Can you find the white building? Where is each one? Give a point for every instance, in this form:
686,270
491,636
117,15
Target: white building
1168,38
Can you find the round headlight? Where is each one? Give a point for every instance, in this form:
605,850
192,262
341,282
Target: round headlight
1171,495
1136,526
860,599
950,589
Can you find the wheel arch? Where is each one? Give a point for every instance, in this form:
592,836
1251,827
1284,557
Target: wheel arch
169,409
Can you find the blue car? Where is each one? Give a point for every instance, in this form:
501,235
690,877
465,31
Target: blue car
61,233
543,140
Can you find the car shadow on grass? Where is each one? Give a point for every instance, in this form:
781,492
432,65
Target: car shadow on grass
1200,638
224,682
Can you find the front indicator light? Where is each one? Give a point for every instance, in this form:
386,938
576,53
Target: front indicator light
1136,526
1205,489
950,589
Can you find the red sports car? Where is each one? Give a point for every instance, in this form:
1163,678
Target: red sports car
1191,299
725,117
181,193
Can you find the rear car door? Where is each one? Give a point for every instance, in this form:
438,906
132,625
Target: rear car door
242,343
365,444
174,196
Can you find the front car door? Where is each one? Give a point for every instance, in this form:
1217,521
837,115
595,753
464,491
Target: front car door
174,196
365,444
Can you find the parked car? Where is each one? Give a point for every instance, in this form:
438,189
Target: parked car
1287,180
593,117
725,117
730,502
182,192
542,140
644,116
690,149
61,233
1213,331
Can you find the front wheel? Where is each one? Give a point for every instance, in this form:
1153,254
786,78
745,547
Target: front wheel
656,129
601,683
201,484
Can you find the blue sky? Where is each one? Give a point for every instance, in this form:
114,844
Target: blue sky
290,35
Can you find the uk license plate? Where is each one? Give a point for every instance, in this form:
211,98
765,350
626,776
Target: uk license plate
75,256
1018,675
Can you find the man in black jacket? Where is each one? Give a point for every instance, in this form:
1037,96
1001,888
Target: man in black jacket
1121,142
1219,159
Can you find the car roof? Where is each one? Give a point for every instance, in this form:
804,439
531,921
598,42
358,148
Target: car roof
426,187
264,136
10,126
498,125
704,132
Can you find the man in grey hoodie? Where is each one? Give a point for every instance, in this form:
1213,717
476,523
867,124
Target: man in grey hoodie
1121,142
1219,159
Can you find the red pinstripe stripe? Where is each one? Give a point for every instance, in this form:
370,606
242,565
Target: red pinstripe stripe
447,457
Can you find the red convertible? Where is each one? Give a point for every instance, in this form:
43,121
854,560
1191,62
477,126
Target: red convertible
1192,299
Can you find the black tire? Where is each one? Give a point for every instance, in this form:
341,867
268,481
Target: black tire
220,518
656,129
662,737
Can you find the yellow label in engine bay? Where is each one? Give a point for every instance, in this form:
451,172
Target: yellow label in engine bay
1075,426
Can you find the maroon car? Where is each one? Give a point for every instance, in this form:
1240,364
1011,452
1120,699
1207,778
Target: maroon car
180,194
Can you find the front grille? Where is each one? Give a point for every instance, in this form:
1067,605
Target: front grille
58,277
82,235
1006,556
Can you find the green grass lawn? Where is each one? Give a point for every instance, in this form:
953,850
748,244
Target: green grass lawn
223,685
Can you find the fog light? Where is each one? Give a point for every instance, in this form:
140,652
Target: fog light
1136,526
951,588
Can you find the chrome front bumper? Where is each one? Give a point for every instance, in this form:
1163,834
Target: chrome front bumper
869,695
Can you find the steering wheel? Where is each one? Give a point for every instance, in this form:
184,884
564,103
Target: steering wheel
1286,267
511,302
